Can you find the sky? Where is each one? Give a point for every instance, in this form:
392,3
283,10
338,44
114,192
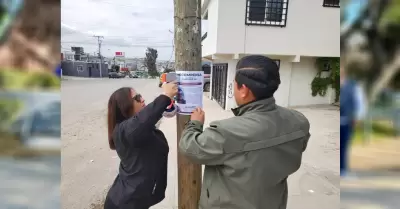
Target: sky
127,25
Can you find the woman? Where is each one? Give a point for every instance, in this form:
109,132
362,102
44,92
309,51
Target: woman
142,148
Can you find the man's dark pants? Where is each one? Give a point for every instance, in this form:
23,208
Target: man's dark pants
346,132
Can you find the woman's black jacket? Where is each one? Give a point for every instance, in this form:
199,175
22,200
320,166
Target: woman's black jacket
143,150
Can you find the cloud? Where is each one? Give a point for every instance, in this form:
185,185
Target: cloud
127,25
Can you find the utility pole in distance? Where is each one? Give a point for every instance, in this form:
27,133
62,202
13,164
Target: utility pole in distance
100,41
187,39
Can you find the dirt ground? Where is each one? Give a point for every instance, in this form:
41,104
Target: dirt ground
89,167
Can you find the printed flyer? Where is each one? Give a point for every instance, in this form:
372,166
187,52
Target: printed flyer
190,91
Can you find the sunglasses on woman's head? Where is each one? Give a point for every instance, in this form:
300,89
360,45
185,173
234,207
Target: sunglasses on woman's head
137,98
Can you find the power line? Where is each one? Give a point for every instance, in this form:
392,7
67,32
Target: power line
172,52
109,36
122,5
106,2
126,42
120,45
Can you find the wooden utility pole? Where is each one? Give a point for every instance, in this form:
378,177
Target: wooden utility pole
187,38
100,41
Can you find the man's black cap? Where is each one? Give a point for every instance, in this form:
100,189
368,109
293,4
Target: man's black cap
260,74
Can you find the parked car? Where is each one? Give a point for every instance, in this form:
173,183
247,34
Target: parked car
133,75
116,75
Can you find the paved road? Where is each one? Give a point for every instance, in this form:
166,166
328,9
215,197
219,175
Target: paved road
30,183
371,190
376,180
89,167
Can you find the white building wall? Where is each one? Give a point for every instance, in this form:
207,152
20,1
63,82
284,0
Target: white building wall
230,99
211,79
282,93
311,30
295,87
209,45
285,70
303,73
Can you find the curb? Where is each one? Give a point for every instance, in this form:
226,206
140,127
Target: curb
360,206
66,78
372,183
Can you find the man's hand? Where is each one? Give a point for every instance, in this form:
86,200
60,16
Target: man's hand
198,115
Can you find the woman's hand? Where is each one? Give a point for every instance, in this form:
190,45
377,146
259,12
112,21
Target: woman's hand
170,89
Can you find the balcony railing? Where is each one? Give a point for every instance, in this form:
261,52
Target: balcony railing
331,3
266,12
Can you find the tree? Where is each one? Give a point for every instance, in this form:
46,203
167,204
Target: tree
8,109
150,61
375,60
168,70
115,68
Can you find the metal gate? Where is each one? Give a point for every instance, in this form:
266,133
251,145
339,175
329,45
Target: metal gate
219,76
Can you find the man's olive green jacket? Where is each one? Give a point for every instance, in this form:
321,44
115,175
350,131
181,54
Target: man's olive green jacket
248,158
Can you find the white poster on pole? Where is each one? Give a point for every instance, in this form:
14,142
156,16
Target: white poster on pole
190,91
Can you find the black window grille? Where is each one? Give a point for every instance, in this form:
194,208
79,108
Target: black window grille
266,12
331,3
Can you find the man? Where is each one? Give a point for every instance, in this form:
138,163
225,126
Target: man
248,158
352,108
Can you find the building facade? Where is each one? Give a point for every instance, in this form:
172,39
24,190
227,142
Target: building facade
84,69
294,33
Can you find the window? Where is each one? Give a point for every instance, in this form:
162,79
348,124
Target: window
331,3
206,69
266,12
79,68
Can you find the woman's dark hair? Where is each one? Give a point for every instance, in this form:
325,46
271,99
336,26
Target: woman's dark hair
260,74
120,108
